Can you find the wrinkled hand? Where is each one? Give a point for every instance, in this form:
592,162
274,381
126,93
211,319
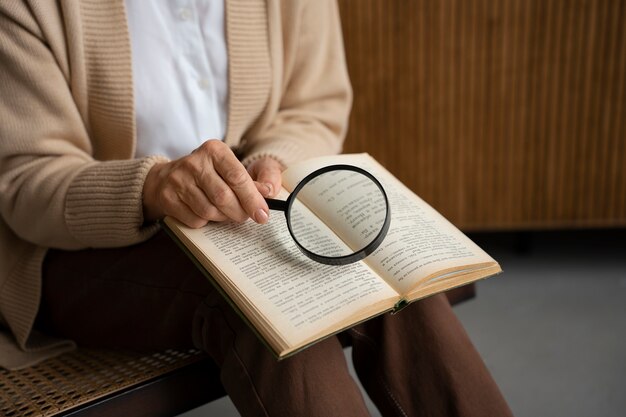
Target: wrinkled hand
210,184
266,172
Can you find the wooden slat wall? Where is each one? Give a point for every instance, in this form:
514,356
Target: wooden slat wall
503,114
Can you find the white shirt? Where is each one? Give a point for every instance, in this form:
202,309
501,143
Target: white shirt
180,74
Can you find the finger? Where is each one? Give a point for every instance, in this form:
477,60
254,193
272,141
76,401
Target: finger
199,203
269,172
176,208
237,179
210,181
263,189
222,196
189,218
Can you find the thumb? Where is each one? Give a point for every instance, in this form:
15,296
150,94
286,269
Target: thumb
267,175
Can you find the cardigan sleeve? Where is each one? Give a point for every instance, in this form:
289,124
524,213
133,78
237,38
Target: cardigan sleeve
52,191
312,114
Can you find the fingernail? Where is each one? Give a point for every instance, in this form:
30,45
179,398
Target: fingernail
260,216
270,189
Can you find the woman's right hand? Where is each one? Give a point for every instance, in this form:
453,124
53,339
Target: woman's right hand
210,184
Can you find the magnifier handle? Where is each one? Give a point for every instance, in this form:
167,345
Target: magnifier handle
276,204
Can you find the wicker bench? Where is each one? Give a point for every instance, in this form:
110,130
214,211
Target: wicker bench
91,382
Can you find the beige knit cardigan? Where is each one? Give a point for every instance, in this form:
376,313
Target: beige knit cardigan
67,128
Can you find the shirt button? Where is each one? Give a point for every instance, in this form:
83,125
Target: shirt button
184,14
204,83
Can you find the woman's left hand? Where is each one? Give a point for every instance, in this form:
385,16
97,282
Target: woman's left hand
266,173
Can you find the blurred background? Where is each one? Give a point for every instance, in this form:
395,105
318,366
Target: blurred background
509,117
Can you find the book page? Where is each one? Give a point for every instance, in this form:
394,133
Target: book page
296,297
420,243
349,200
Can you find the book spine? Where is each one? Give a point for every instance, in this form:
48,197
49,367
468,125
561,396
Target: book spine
400,305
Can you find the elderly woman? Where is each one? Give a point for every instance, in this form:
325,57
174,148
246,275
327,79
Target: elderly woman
105,112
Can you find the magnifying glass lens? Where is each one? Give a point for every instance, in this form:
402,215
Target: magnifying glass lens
313,238
348,202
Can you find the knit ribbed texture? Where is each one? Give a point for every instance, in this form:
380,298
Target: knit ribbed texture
20,286
286,151
104,205
31,347
109,78
249,64
307,111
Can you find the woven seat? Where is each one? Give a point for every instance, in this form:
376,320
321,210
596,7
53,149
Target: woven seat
96,382
90,382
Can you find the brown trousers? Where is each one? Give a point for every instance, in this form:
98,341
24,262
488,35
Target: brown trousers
419,362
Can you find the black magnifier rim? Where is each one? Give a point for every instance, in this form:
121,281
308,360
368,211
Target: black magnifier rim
361,253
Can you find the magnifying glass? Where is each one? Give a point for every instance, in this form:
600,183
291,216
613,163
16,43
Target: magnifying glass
345,196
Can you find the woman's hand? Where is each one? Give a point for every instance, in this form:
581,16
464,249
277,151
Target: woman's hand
210,184
266,172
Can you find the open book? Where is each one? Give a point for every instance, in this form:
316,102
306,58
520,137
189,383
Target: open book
291,301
